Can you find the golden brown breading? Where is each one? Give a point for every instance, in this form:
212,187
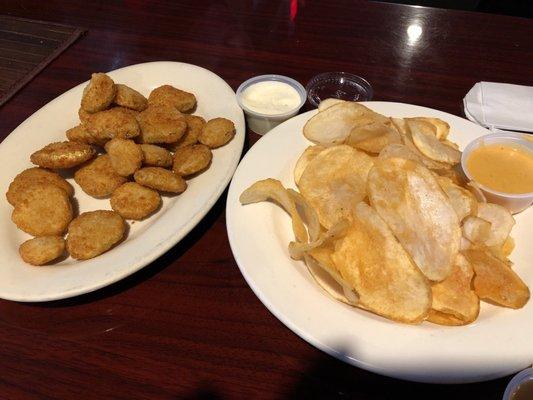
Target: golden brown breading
43,210
62,155
42,250
35,175
81,134
217,132
126,156
160,179
98,178
195,125
83,115
93,233
167,95
156,156
98,94
161,124
191,159
116,122
134,201
130,98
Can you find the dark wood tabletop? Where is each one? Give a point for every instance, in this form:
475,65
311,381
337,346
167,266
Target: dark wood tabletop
187,325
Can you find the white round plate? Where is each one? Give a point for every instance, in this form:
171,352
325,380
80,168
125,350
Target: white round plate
497,344
147,239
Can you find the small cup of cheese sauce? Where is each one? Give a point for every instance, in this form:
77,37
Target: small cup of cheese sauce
520,387
502,165
268,100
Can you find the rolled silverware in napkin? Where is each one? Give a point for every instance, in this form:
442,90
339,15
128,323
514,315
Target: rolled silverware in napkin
500,106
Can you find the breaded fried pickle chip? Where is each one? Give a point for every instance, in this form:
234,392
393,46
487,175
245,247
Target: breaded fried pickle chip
42,250
191,159
130,98
161,124
81,134
44,210
98,94
22,182
93,233
156,156
116,122
98,178
62,155
83,115
217,132
126,156
160,179
167,95
133,201
195,125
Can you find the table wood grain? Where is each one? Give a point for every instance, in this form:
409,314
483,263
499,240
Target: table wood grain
188,326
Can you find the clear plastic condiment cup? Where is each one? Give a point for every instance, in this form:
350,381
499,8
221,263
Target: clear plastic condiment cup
518,379
262,123
338,85
513,202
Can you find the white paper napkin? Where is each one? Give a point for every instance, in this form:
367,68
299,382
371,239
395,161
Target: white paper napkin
500,105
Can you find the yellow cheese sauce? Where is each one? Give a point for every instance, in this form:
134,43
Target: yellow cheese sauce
503,168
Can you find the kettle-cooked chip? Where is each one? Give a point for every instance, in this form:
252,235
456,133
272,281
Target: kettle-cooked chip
408,197
335,181
373,137
495,281
305,158
424,138
372,261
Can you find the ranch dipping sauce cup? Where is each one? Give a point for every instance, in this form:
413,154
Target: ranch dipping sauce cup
268,100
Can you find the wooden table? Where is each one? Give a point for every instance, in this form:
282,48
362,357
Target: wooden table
188,326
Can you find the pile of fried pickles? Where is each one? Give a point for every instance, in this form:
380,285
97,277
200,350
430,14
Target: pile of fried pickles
127,148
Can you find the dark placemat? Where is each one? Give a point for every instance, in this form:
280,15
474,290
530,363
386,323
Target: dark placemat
26,47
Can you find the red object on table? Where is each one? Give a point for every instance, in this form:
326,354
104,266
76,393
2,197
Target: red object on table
188,326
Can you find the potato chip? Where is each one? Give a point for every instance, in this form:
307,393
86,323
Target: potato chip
334,181
454,294
307,213
304,159
501,222
441,318
408,197
372,261
442,128
327,277
297,250
426,141
333,125
273,189
401,125
495,282
373,137
463,202
476,230
474,188
399,150
327,103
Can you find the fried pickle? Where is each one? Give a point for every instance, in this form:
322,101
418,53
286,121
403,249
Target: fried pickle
156,156
133,201
160,179
130,98
217,132
116,122
98,94
98,177
191,159
42,250
93,233
126,156
161,124
168,95
43,210
62,155
22,182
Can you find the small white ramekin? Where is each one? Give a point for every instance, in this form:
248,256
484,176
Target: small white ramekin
513,202
262,123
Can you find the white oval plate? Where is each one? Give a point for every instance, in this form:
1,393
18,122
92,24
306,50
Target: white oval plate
497,344
147,239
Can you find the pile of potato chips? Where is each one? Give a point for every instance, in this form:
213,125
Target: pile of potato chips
383,212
